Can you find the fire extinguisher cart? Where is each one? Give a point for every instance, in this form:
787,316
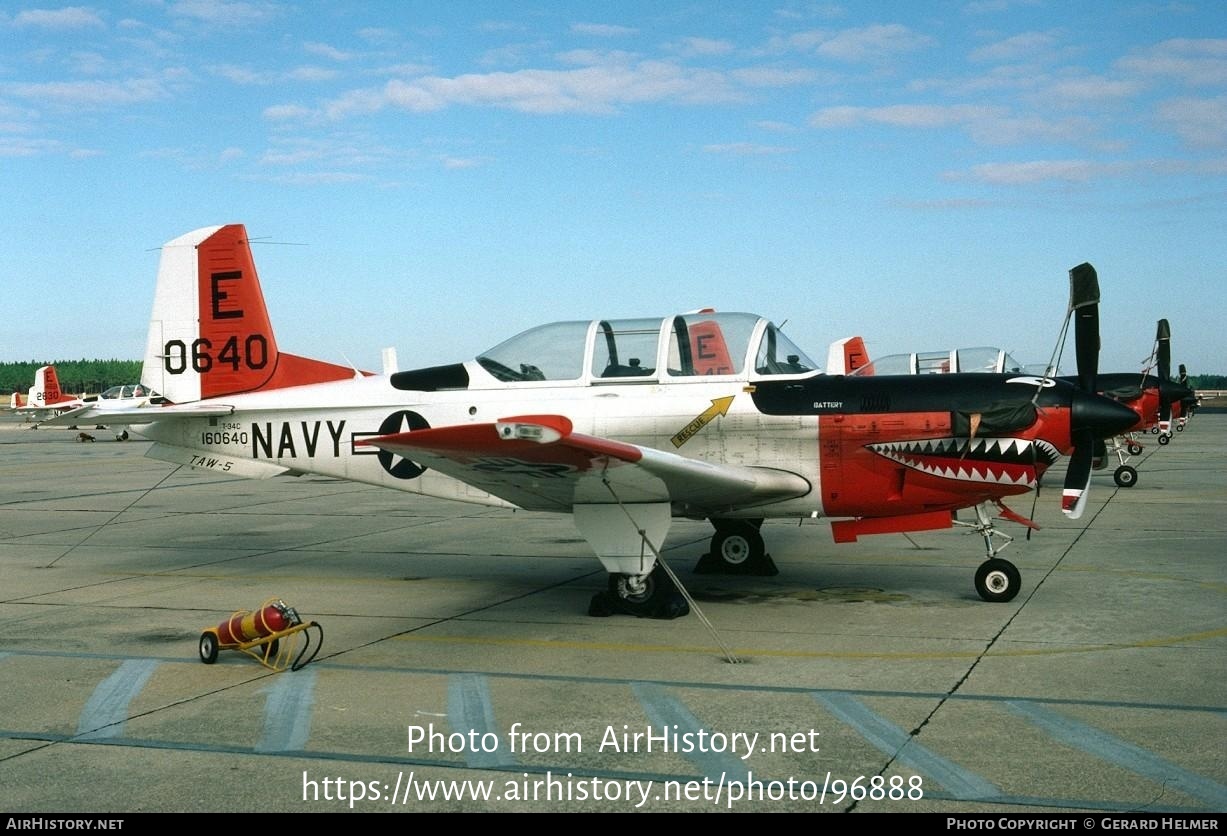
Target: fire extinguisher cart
259,634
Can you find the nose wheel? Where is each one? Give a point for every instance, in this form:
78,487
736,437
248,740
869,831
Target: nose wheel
647,596
998,580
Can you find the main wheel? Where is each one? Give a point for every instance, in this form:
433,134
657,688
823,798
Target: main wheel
738,545
997,580
1125,476
1135,449
1164,438
208,648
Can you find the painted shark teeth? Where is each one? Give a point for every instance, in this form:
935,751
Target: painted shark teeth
992,460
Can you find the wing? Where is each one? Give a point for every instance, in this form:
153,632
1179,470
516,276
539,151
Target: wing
135,415
539,463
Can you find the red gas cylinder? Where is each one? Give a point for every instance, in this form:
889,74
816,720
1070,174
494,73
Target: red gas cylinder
249,626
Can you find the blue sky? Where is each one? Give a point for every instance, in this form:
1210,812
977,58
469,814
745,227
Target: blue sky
438,176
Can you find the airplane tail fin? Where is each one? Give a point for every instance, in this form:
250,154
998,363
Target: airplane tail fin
846,356
17,400
210,334
46,387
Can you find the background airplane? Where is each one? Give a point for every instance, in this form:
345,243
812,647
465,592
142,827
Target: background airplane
624,424
1156,399
45,396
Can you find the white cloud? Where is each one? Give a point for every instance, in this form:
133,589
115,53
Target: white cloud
1083,171
1200,122
224,13
903,116
1038,171
597,89
867,43
602,30
89,93
1193,61
996,6
772,77
326,51
775,127
1092,88
457,163
985,124
286,112
311,74
23,147
1025,46
703,46
243,75
70,17
592,57
747,149
320,178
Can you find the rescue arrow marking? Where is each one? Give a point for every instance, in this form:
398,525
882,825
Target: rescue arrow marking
719,406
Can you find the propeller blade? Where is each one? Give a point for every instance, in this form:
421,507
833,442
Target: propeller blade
1163,361
1084,304
1078,476
1163,352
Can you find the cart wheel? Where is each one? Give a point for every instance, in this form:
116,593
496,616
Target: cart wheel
271,649
208,648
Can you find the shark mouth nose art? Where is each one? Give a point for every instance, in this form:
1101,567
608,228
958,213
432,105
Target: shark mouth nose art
1001,461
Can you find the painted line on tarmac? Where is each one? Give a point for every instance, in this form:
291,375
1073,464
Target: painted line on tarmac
287,713
668,713
1120,753
470,708
893,741
106,711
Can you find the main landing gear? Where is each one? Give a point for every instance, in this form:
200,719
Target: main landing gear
737,548
653,595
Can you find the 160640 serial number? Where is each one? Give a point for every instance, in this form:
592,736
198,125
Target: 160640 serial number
225,437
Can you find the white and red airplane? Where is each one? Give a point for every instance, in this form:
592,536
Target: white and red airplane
624,424
46,398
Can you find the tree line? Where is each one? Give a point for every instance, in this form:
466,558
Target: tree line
76,376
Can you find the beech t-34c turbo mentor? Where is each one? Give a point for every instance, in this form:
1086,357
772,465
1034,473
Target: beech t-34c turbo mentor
624,424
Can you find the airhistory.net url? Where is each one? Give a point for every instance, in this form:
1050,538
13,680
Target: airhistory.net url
409,790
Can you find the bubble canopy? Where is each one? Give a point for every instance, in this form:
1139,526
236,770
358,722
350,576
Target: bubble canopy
694,345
